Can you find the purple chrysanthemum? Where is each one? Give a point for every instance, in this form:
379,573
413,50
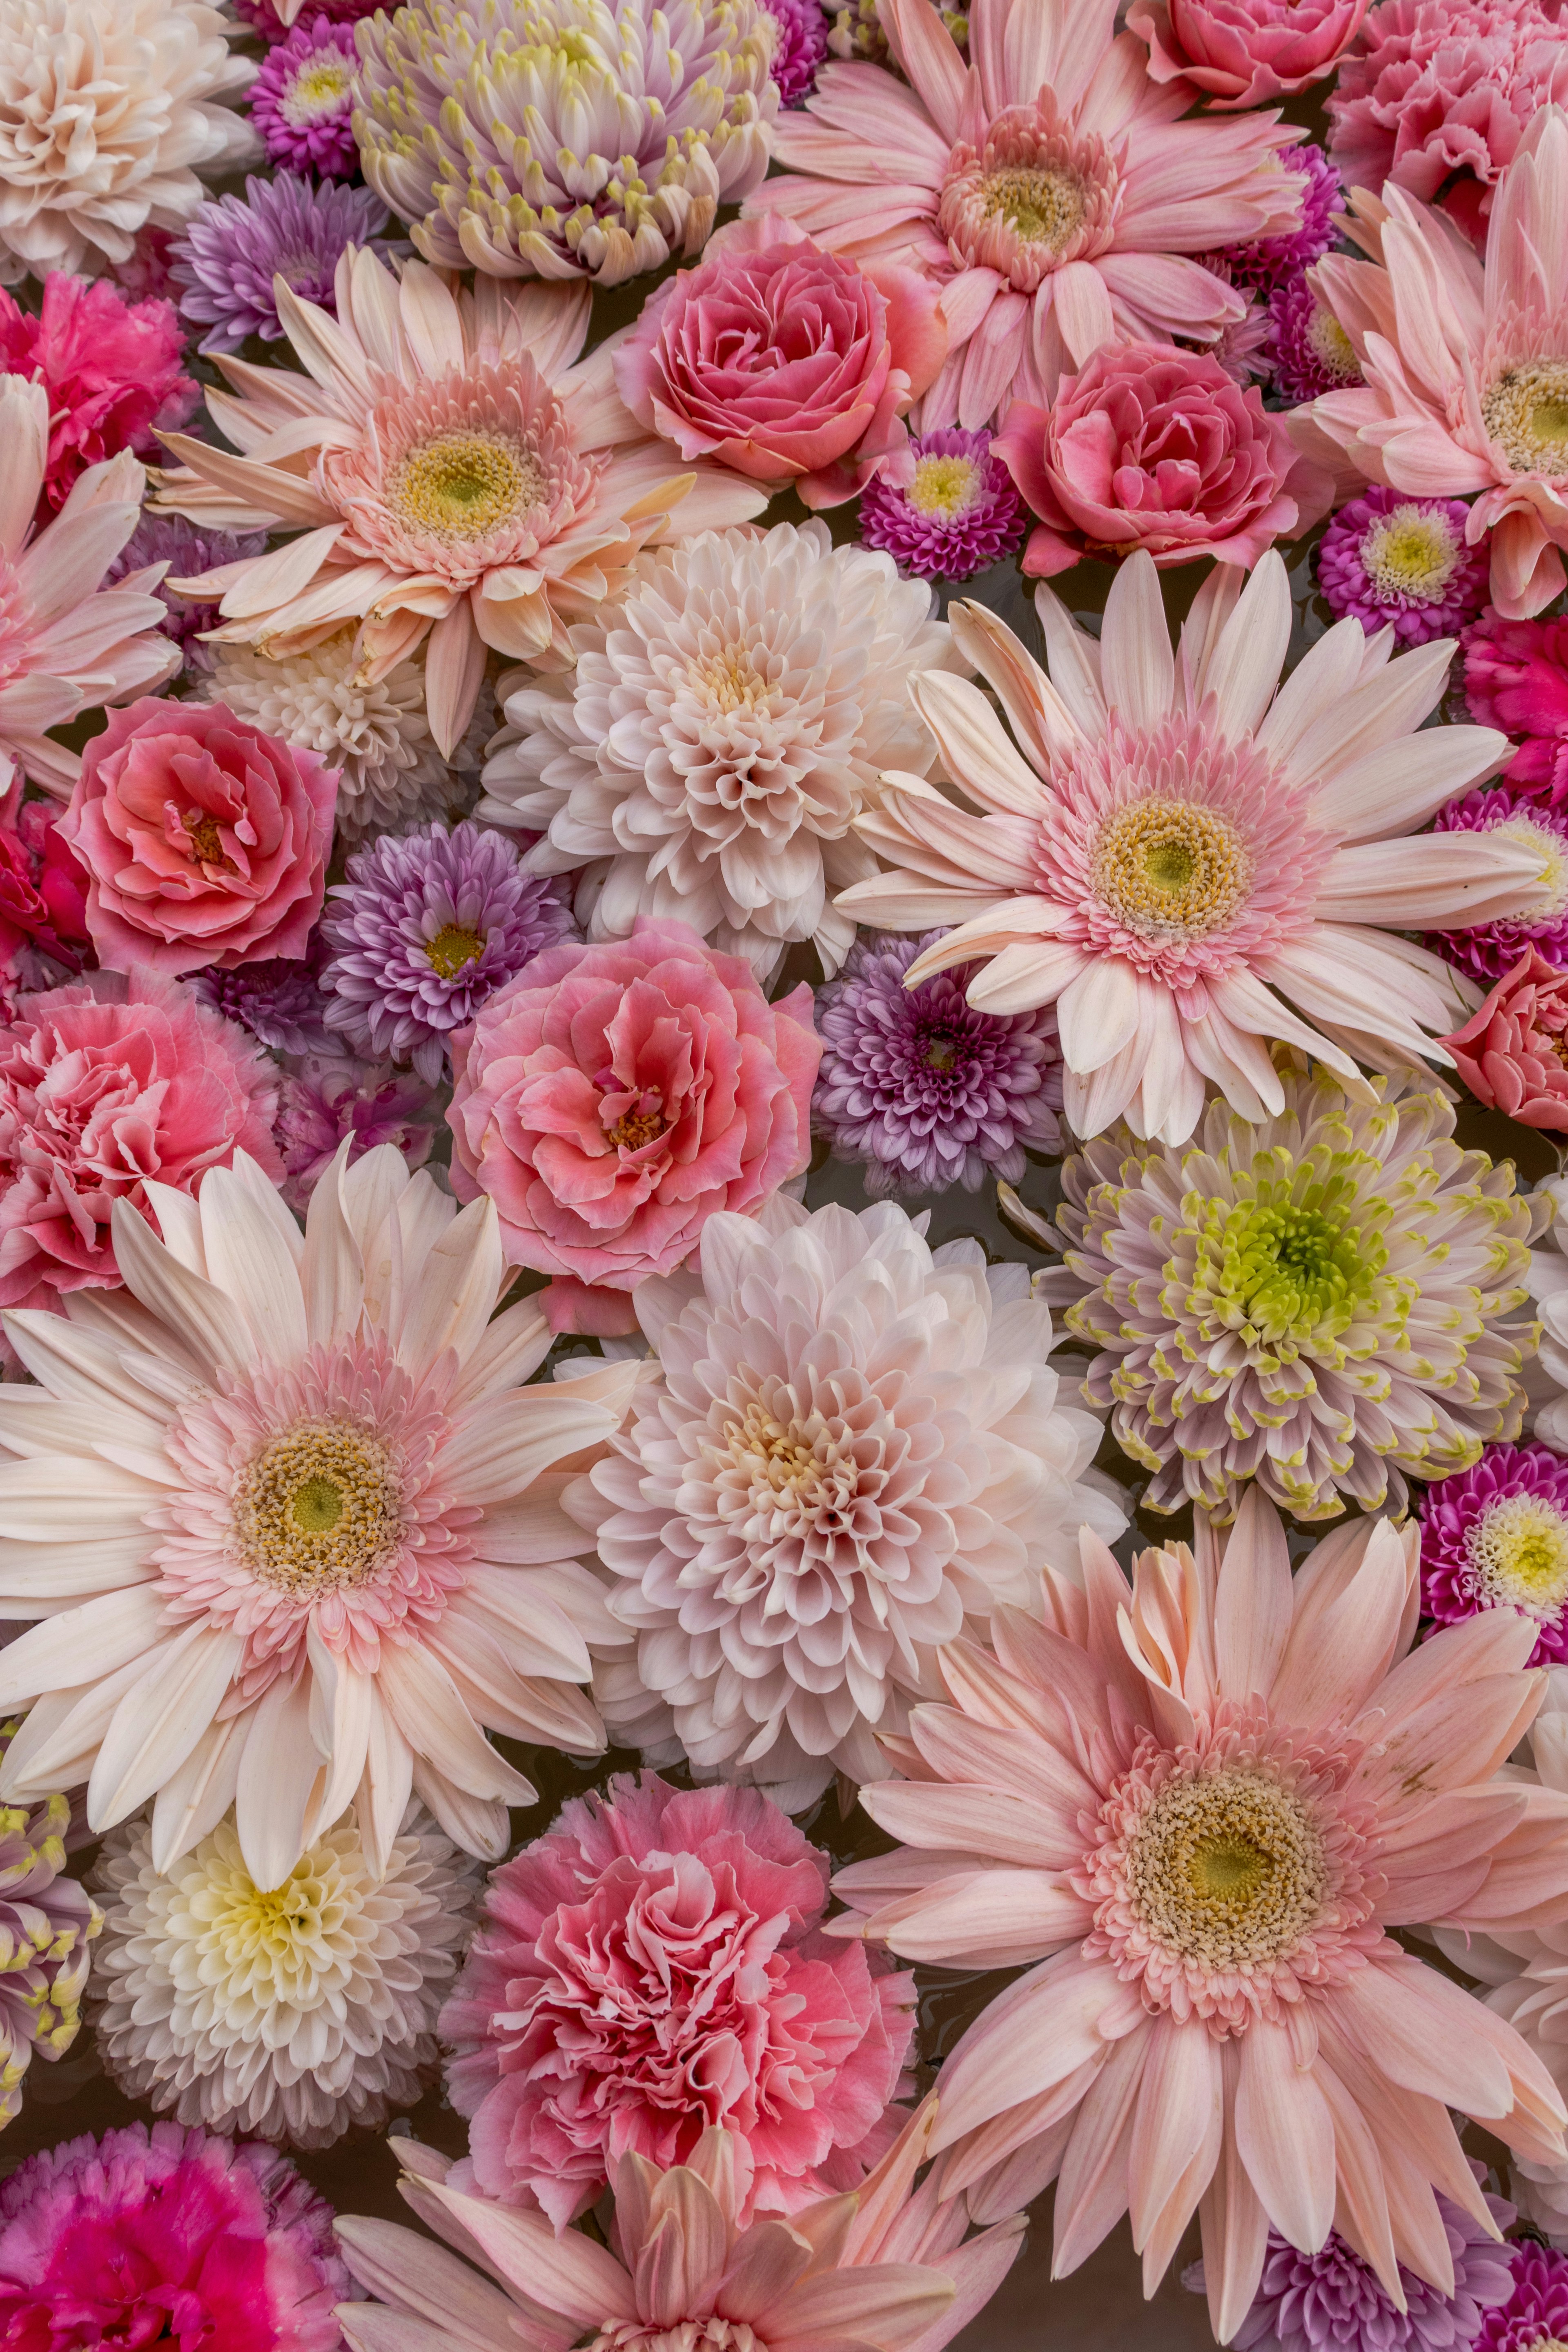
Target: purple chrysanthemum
1491,949
1496,1537
958,512
426,926
1273,259
923,1089
1389,558
171,540
279,1001
1536,2313
230,253
802,46
370,1103
302,99
1313,354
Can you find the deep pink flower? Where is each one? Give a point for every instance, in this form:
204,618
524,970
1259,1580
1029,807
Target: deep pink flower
1513,1054
43,889
782,361
325,1099
105,1083
1516,678
207,841
166,2237
612,1099
655,1965
1243,51
111,370
1152,447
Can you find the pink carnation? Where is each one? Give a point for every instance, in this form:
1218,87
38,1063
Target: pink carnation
105,1083
783,360
206,842
1512,1054
1516,678
611,1098
1436,95
654,1965
111,370
1243,51
1152,447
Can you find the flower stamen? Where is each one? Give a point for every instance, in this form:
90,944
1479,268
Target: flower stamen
1526,414
1172,869
320,1508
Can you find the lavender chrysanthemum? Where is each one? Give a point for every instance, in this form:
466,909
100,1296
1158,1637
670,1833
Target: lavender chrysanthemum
928,1092
224,263
330,1099
1394,559
1536,2313
279,1001
302,99
426,926
1273,260
959,512
1496,1537
171,540
1312,353
802,46
1490,950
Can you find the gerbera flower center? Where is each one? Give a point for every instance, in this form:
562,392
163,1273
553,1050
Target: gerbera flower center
463,486
712,2335
1043,207
1227,1868
1031,198
1526,414
1518,1556
1331,347
1171,869
319,1507
1412,552
946,488
318,90
454,948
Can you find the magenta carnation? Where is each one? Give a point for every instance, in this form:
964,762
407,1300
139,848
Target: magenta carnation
1496,1537
1310,350
1242,51
111,369
944,509
1392,559
1516,678
1488,950
166,2237
654,1965
273,23
327,1100
302,99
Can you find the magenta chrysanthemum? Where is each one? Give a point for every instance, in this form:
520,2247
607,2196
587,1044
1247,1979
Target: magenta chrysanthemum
170,539
925,1090
1488,950
1496,1537
1394,559
303,101
958,511
1536,2314
801,48
1311,352
231,254
271,19
1272,261
424,930
279,1000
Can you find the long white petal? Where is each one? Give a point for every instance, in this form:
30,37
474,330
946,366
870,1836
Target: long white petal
1137,666
249,1261
159,1721
280,1772
80,1645
432,1717
195,1798
1245,666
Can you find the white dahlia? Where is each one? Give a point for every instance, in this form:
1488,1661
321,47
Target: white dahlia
290,2013
290,1522
107,110
853,1451
708,755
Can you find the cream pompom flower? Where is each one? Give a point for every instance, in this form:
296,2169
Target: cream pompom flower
290,2013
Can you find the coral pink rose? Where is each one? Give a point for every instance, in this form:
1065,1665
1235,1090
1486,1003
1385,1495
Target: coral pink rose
1513,1054
782,361
104,1085
655,1965
610,1099
1243,51
1156,447
205,841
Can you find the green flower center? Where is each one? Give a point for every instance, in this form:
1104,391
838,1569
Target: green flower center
1412,552
1171,869
462,486
319,1506
1227,1868
1291,1265
1039,206
1526,414
1518,1556
452,948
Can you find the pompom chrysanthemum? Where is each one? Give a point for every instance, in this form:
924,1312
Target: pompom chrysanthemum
279,1000
1496,1537
1536,2313
1310,350
302,102
958,510
1488,950
48,1924
227,264
1392,559
1272,261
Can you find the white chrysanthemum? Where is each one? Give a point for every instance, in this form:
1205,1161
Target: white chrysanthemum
853,1454
290,2013
719,735
108,110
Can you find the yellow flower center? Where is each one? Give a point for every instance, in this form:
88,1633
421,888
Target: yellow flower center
1331,347
1171,869
462,486
318,89
319,1506
452,948
732,680
1518,1555
1411,552
1040,205
637,1128
207,845
1552,851
1526,413
1227,1868
944,487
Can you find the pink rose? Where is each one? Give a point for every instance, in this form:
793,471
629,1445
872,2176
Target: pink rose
105,1084
783,360
205,841
1510,1053
1243,51
610,1099
1153,447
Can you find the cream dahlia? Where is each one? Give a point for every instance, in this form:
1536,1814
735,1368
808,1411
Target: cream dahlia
707,756
563,137
1200,1805
1464,365
1045,186
459,480
1323,1298
108,110
853,1449
297,1538
289,2013
1186,862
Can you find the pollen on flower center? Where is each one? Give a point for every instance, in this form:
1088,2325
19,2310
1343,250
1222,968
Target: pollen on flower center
461,486
318,90
319,1507
1413,550
1171,869
1331,347
1518,1555
1042,206
453,949
732,680
1227,1868
1283,1265
1526,414
946,487
207,844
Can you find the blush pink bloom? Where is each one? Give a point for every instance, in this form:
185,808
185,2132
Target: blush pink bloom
612,1099
1513,1054
206,842
105,1086
1157,447
1242,51
654,1966
110,369
782,361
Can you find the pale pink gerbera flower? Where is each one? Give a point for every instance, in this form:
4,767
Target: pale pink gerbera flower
1046,187
1186,862
290,1522
456,477
1465,368
1200,1805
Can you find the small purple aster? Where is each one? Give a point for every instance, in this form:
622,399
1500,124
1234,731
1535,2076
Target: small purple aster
1536,2313
958,510
1312,353
1496,1537
370,1103
224,263
171,540
923,1089
1491,949
426,926
279,1001
1271,260
302,99
802,46
1389,558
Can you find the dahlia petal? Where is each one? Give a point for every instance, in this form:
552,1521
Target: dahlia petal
1285,2134
1137,666
1176,2138
159,1721
1252,1609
